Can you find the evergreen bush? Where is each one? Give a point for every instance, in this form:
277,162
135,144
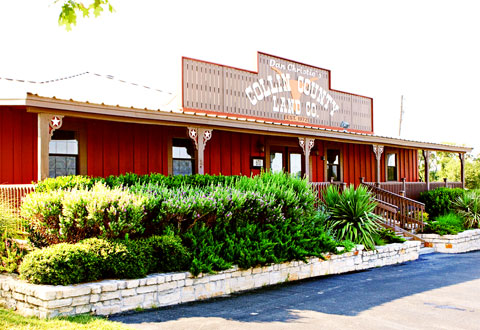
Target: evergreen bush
440,201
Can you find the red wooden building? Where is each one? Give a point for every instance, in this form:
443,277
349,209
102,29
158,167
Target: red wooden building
285,116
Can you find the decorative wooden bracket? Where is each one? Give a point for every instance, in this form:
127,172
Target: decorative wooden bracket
378,151
54,124
307,145
200,136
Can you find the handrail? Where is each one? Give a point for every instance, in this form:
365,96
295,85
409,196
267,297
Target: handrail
410,212
387,211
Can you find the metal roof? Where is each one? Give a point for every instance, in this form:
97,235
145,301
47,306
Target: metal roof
94,92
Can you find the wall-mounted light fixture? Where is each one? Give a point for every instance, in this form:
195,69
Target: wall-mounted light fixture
344,125
260,146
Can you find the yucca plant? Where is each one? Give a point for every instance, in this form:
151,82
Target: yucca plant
468,206
351,214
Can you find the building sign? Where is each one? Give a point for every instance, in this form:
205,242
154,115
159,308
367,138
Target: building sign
281,91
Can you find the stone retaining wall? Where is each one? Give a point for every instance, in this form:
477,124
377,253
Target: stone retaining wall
115,296
468,240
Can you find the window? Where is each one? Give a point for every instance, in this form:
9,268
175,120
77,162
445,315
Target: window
183,153
333,164
391,167
276,161
296,164
63,154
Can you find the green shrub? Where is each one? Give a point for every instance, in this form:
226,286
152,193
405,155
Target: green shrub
250,244
94,259
387,236
11,253
61,264
351,214
72,215
117,260
65,183
467,205
440,201
160,253
448,224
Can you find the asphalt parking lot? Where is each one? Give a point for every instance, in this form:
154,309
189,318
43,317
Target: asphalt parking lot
437,291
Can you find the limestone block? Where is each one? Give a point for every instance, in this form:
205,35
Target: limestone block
83,309
166,286
110,295
108,286
145,289
75,291
94,298
187,294
107,310
169,298
58,303
132,283
133,301
82,300
179,276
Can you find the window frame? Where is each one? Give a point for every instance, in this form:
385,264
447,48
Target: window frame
340,161
397,167
173,159
76,156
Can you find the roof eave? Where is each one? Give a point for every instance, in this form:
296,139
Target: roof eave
227,122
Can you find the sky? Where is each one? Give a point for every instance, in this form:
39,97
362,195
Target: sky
428,51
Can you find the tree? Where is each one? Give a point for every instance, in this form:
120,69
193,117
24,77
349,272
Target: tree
447,165
72,8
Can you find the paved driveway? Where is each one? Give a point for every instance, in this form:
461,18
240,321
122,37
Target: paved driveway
438,291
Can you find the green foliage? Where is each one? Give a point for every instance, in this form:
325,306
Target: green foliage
351,214
250,244
440,201
447,165
70,10
94,259
11,253
467,205
387,236
65,183
8,219
71,215
61,264
448,224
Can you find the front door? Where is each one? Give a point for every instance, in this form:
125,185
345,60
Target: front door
287,159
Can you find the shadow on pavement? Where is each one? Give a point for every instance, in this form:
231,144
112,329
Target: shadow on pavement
347,294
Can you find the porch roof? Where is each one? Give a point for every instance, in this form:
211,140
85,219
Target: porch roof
92,95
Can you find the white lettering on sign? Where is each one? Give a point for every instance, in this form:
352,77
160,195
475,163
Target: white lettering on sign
281,82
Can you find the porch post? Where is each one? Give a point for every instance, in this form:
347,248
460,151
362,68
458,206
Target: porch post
462,168
378,150
200,136
47,124
307,145
426,157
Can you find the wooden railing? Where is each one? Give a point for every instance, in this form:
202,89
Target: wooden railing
387,211
319,188
412,190
11,196
410,212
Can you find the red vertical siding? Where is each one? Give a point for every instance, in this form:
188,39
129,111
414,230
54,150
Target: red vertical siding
95,148
18,146
125,156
